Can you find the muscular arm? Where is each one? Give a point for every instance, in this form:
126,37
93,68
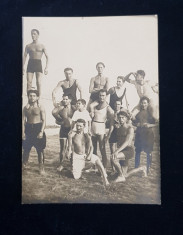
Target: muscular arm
127,78
128,140
110,115
89,147
55,92
43,118
91,87
106,87
23,123
47,60
25,56
79,89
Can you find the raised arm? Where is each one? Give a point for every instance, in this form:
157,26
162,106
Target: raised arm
127,78
43,118
111,91
79,89
55,92
24,57
47,60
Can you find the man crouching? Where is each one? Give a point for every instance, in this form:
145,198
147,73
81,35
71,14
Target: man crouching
80,146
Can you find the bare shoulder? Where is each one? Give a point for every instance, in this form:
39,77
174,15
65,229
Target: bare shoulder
130,129
42,107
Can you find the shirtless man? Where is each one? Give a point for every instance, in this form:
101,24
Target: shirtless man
125,150
33,124
101,113
64,117
117,93
80,146
96,84
69,87
144,88
35,51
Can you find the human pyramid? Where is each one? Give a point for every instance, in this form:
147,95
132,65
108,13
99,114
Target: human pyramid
84,125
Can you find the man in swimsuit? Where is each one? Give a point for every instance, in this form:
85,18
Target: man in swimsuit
35,51
81,149
64,117
33,124
117,93
125,150
144,88
96,84
69,87
101,113
144,138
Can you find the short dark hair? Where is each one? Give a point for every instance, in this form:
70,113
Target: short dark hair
33,91
68,69
68,95
124,114
82,101
81,121
141,72
144,98
36,30
122,78
103,90
101,64
118,100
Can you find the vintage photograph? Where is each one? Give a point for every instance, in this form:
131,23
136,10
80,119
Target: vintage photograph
90,110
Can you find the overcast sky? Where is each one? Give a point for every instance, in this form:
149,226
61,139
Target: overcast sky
124,44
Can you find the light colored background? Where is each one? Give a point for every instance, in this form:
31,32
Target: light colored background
124,44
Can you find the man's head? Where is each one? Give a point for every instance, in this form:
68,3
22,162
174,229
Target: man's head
80,104
33,95
117,105
66,99
123,117
100,67
120,81
144,102
140,76
80,124
102,95
68,73
34,34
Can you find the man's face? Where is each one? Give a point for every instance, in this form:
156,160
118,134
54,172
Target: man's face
100,68
34,35
79,127
117,105
144,104
122,119
140,79
68,74
102,96
79,106
66,100
119,82
33,97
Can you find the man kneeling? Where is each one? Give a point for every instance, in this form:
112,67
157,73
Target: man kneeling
125,150
80,146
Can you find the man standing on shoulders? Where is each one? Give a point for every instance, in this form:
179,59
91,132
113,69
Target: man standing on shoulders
34,121
35,51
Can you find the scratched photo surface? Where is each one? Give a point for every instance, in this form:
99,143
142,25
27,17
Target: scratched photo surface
106,148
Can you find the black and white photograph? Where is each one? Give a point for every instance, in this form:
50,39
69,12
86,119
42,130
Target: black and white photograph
90,110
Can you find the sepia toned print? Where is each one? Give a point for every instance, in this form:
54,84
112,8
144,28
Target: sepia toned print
90,119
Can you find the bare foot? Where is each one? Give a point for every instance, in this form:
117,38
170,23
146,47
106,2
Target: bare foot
120,179
60,168
42,172
144,171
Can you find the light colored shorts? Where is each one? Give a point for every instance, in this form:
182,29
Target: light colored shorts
98,128
78,164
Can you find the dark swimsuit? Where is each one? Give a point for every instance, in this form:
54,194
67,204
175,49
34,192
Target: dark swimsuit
34,65
72,92
114,98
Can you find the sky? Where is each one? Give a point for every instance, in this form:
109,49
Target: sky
124,44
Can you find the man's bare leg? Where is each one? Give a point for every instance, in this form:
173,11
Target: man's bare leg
94,142
112,149
134,171
103,150
29,84
55,113
41,162
63,145
102,171
121,177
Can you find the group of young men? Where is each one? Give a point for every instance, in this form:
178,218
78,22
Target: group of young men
83,126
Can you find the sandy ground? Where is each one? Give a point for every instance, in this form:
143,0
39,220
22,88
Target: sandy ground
57,187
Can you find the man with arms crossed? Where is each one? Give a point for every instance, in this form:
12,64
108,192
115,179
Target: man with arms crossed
69,87
80,146
64,118
125,150
100,114
33,124
96,84
35,51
